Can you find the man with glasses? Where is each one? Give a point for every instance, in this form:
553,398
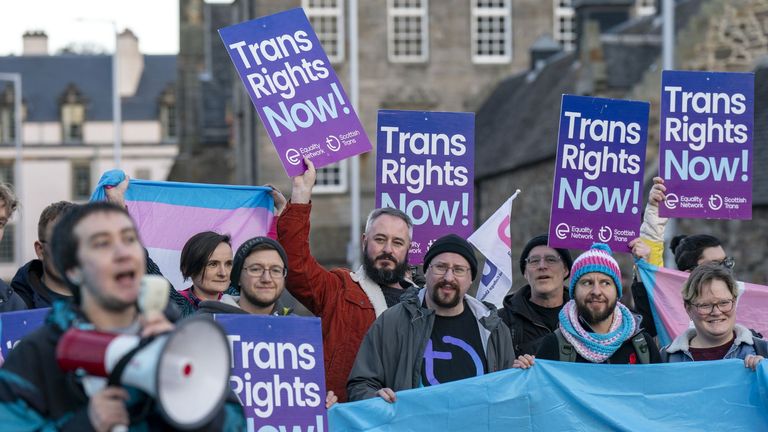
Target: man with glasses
532,311
258,272
436,334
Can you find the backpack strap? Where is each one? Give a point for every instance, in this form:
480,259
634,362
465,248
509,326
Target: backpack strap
641,348
567,352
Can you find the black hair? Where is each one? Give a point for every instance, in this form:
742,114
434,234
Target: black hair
688,249
64,242
197,250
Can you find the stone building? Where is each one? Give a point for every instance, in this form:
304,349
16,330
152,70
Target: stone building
622,61
67,126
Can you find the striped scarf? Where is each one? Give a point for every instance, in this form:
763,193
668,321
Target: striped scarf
597,347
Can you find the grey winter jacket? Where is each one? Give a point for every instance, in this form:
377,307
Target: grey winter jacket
392,351
743,345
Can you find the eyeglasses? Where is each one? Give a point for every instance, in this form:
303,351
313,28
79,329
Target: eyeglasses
728,262
275,272
723,306
441,269
550,260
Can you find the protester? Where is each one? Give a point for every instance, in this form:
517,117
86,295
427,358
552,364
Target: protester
436,334
96,248
347,302
594,326
709,296
532,311
689,251
9,300
37,282
206,259
258,273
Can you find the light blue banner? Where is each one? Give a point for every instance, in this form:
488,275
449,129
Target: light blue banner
554,396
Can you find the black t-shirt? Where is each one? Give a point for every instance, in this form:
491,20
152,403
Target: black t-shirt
454,350
392,295
550,316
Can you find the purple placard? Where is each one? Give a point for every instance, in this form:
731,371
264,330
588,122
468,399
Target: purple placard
425,167
705,151
15,325
597,192
295,90
277,371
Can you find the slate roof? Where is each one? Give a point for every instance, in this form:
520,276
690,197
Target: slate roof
44,79
517,125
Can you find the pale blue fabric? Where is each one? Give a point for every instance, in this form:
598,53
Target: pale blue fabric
560,396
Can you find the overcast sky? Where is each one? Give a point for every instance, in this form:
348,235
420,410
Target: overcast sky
155,23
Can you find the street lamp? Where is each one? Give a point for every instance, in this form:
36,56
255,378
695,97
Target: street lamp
15,78
117,116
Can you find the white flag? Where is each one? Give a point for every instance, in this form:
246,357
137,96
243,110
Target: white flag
493,239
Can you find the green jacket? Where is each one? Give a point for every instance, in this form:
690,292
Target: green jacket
393,349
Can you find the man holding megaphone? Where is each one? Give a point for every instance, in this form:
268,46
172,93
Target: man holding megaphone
97,250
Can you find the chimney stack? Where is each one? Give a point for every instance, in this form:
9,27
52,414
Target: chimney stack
35,43
130,63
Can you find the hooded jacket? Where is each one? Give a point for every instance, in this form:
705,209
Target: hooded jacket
392,352
28,283
230,304
743,345
525,324
35,394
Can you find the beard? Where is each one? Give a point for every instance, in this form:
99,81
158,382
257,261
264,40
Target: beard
384,276
447,302
106,302
254,300
595,316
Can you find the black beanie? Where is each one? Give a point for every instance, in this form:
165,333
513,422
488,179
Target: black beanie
542,240
245,249
455,244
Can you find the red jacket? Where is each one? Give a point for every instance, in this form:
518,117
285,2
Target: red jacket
337,297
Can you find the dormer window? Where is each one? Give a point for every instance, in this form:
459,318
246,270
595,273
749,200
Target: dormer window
168,120
72,105
7,118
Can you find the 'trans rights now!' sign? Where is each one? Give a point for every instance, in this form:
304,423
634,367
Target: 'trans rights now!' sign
425,167
295,91
597,193
706,144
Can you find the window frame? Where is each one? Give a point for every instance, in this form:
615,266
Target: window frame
333,12
334,188
477,12
394,12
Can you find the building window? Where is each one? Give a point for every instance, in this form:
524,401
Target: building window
407,31
332,178
8,244
646,7
72,115
168,116
564,24
6,172
491,31
81,180
7,119
327,18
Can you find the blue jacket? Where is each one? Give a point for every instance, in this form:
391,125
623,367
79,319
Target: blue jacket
743,345
35,394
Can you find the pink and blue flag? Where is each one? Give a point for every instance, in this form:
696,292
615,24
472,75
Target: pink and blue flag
664,288
167,214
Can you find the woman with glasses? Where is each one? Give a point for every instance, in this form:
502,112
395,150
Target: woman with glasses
709,296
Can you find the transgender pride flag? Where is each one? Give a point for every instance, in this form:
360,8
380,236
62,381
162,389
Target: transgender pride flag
167,214
664,288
